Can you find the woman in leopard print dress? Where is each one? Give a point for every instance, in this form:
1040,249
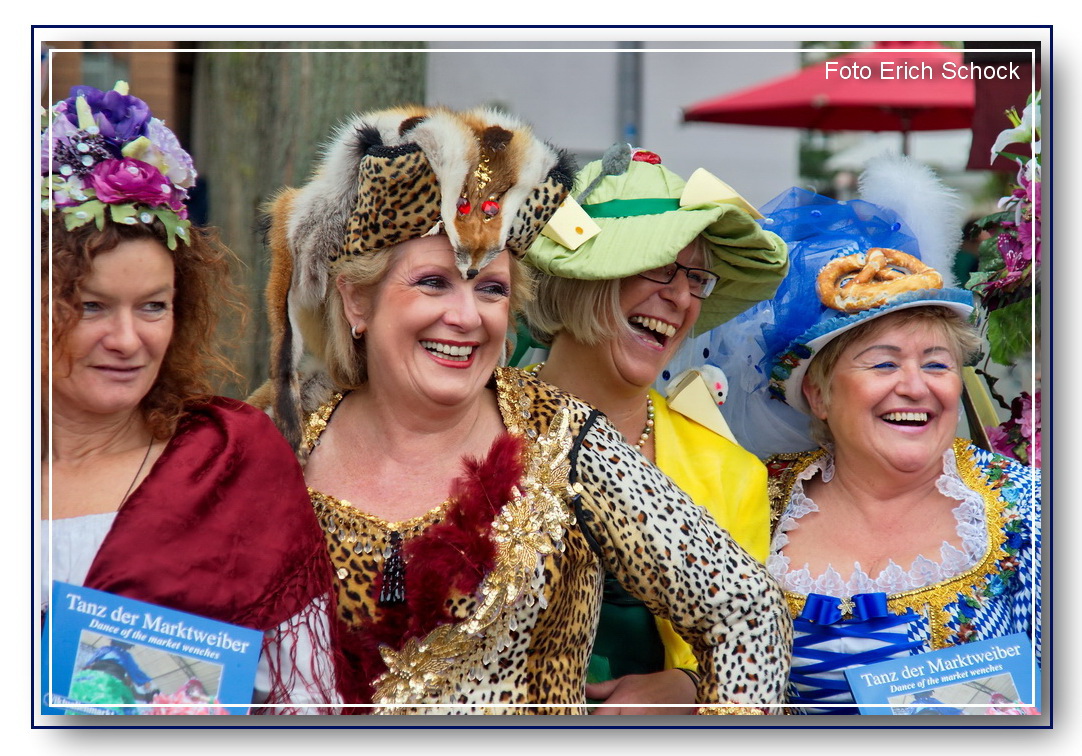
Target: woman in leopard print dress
470,511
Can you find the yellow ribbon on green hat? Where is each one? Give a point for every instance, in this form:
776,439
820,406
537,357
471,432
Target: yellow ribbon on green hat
642,218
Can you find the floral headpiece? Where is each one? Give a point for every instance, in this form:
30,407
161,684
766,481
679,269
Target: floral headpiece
104,150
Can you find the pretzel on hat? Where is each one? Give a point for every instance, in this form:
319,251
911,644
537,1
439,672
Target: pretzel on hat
862,281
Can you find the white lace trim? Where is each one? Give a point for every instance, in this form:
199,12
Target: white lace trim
969,515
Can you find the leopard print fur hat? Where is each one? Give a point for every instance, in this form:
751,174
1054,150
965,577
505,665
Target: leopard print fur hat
481,177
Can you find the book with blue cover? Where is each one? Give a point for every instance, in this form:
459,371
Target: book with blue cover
994,676
106,654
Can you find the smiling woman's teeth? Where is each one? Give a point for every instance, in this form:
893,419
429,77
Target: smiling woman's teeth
906,417
448,351
653,324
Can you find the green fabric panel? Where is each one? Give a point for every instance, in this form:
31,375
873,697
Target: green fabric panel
627,637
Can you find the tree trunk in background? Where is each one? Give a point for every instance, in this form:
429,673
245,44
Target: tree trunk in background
261,112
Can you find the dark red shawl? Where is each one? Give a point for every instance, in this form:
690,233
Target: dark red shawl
221,527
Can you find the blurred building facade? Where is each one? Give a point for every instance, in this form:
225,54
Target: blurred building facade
581,96
586,96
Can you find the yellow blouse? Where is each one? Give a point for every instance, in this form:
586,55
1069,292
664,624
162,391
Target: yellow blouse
726,479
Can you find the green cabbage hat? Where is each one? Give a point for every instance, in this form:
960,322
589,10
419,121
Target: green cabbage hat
646,215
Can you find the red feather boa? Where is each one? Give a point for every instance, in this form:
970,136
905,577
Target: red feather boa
450,559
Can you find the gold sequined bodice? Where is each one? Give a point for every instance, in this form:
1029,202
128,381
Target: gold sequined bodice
358,542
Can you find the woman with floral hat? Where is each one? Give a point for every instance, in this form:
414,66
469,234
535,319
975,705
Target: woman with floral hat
155,489
667,258
893,537
470,511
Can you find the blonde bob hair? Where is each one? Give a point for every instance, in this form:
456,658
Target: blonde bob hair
588,310
346,357
962,339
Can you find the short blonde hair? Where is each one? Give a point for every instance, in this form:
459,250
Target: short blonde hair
346,357
963,341
589,310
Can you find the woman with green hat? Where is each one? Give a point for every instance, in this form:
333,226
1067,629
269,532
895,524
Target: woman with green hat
641,260
470,510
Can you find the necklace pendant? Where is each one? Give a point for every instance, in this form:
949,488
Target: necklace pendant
393,590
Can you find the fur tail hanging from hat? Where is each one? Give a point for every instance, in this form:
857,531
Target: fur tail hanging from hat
304,229
287,343
933,211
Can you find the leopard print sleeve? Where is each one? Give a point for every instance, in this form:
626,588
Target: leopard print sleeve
669,552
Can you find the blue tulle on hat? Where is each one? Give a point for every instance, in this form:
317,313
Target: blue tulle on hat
765,351
819,229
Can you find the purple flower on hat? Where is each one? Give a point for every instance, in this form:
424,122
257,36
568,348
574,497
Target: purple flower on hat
117,182
62,132
166,154
73,152
119,117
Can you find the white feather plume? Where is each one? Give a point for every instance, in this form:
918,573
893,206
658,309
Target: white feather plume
933,211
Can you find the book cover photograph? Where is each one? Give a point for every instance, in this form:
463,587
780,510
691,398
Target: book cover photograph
996,676
110,655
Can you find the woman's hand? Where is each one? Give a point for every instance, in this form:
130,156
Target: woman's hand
637,693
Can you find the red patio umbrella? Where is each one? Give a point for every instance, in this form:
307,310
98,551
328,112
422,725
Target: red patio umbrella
892,86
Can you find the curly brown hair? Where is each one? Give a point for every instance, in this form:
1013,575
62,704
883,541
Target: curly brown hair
195,359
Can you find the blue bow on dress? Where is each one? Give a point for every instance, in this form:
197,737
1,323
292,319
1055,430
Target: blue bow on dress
826,610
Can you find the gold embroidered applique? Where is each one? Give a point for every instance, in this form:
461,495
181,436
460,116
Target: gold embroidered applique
317,421
529,527
931,601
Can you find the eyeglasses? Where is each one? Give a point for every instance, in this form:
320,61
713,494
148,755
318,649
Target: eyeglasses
700,282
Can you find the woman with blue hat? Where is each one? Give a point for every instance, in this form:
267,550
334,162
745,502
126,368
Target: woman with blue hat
893,537
638,262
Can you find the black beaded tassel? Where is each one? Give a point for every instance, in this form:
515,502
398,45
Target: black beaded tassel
393,590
